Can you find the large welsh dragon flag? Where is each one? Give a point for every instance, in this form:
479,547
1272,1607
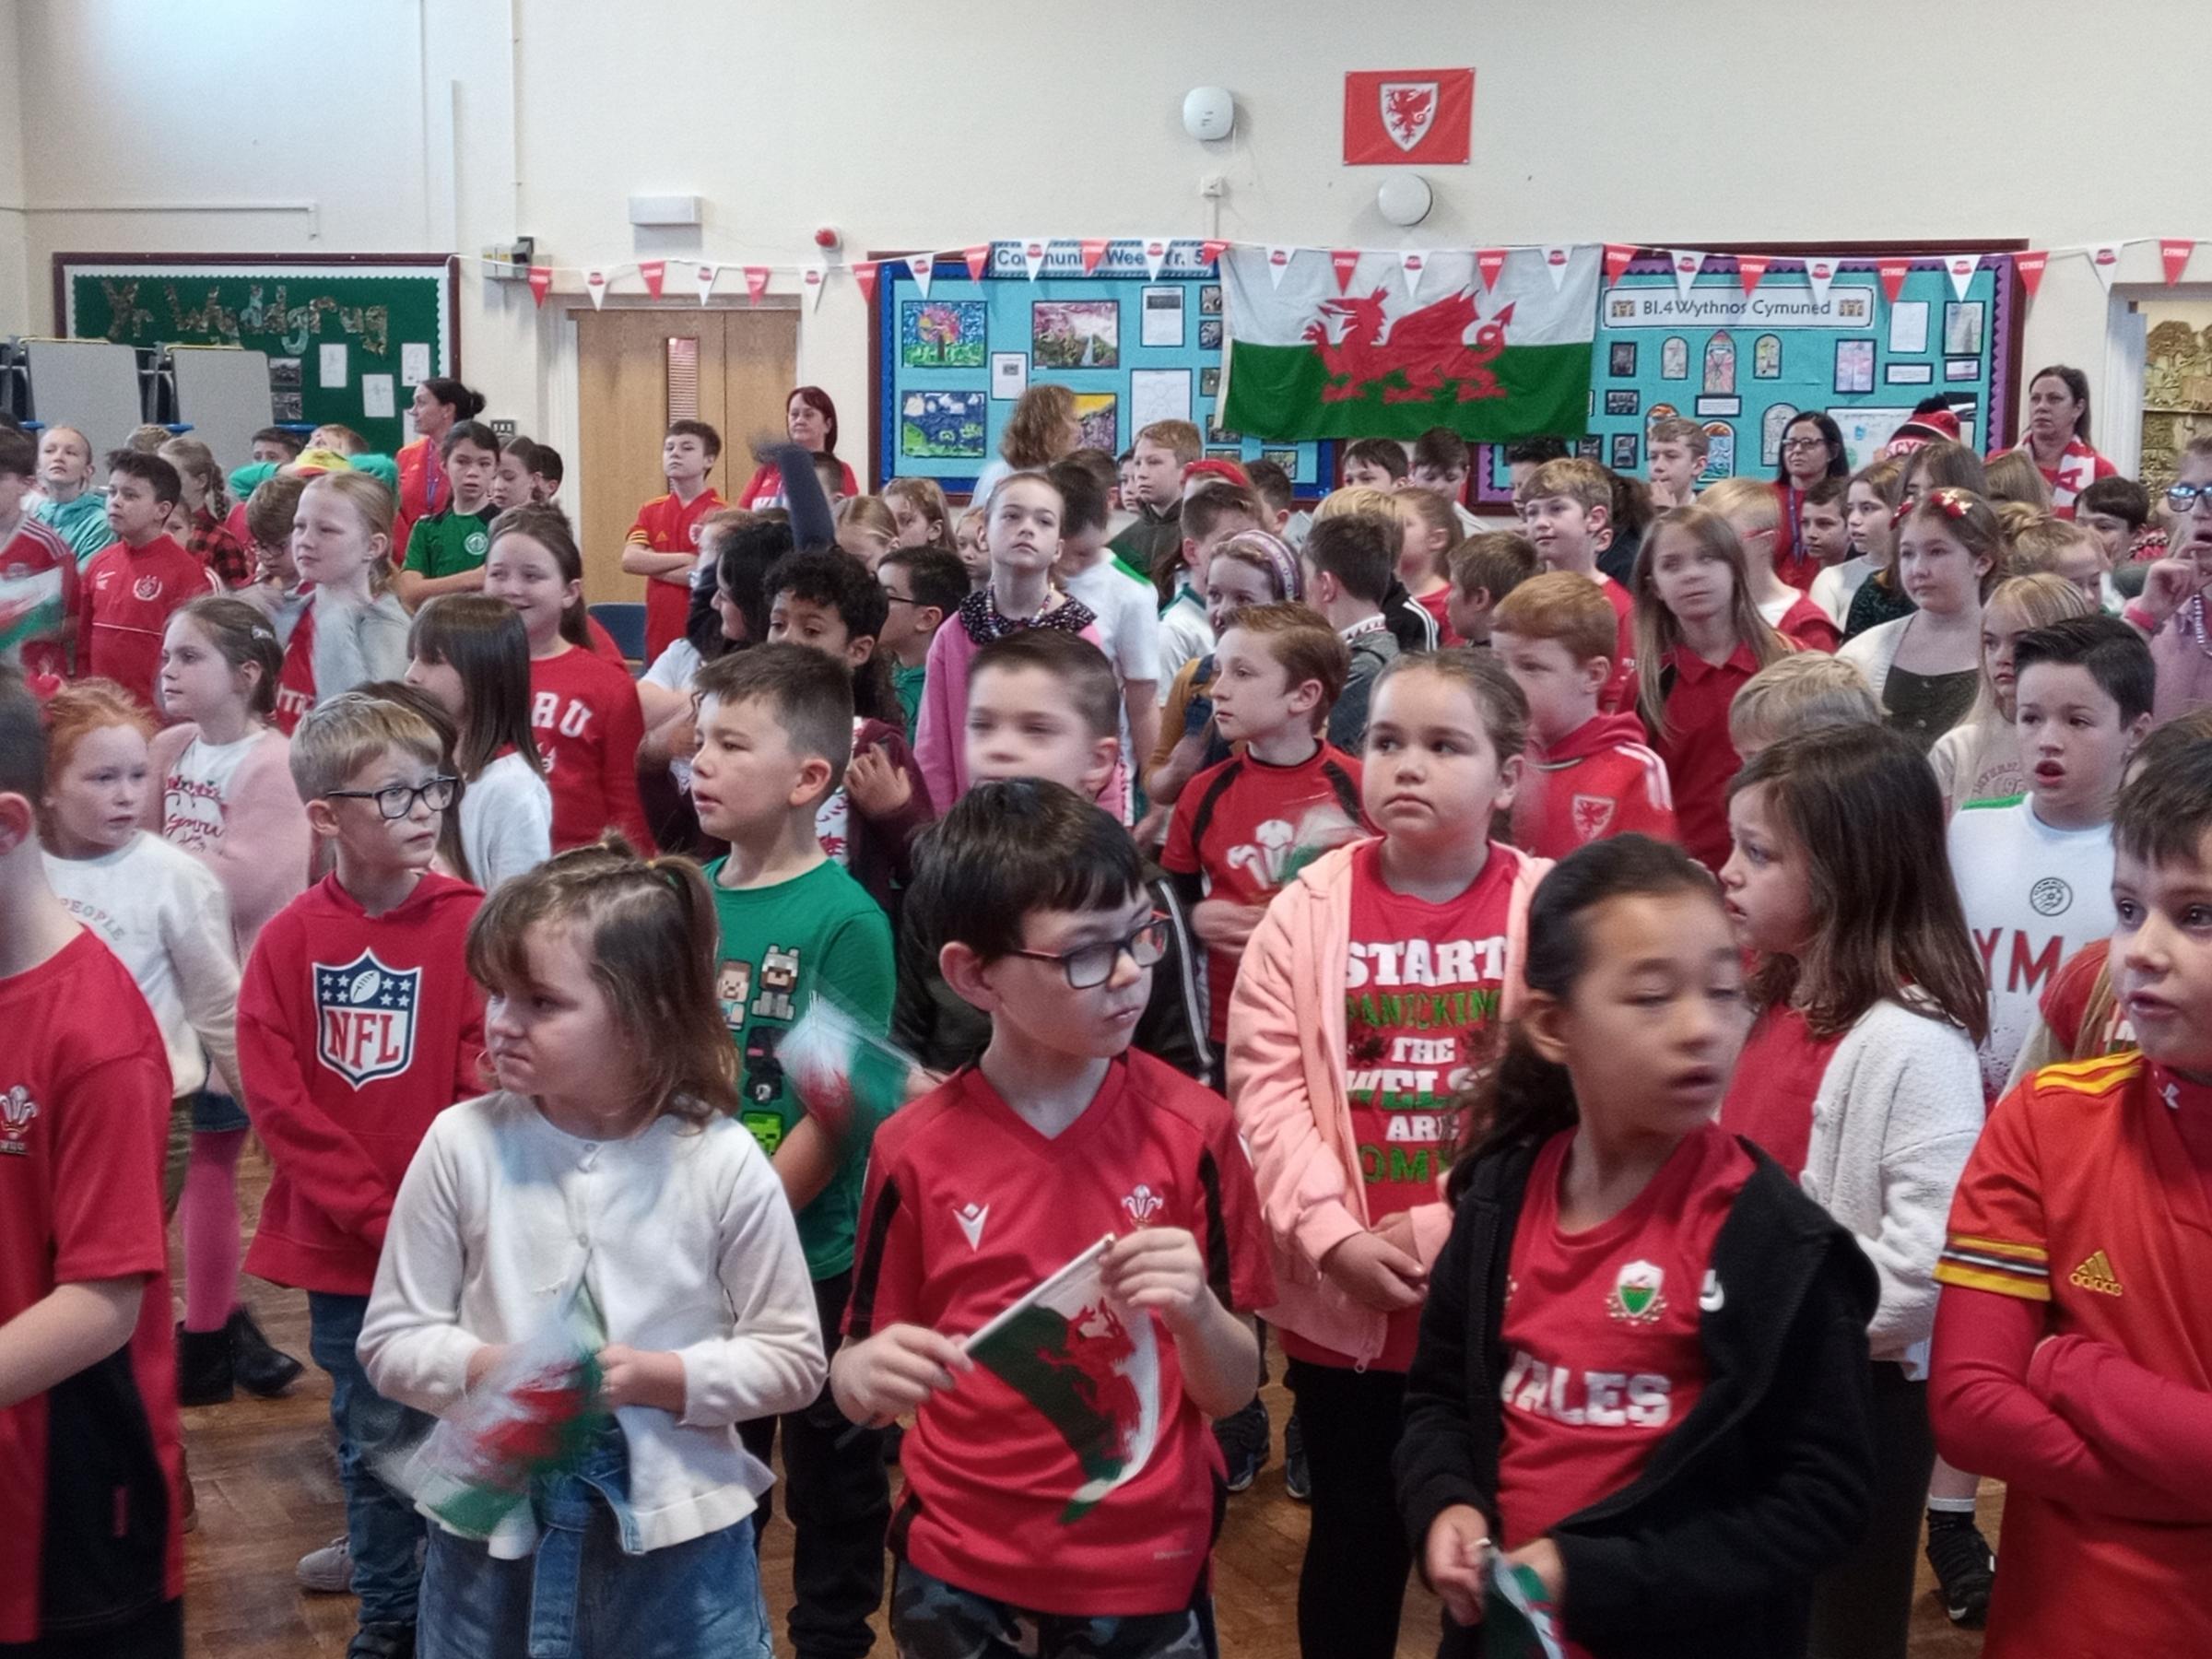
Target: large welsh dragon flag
1378,360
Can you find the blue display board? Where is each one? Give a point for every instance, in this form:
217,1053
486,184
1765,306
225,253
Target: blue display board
1135,349
1742,366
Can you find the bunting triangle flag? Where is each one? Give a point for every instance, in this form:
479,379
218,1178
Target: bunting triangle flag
594,283
1820,274
703,274
1278,262
1749,269
1686,267
1962,267
1489,261
2104,259
979,260
541,280
1892,273
816,278
1156,255
2030,266
1556,258
1618,255
1210,252
863,273
655,272
2175,251
922,268
1346,262
1033,256
1093,249
1413,262
756,283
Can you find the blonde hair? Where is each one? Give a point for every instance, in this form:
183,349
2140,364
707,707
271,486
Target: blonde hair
373,503
869,515
1356,498
1037,428
189,455
340,440
926,497
1586,483
2014,476
339,739
2039,545
2037,600
1749,505
1657,632
1431,511
1799,693
2025,552
1178,436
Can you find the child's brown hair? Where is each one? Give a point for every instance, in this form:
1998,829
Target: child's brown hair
1178,436
1657,632
1300,639
483,641
1498,699
1971,521
1493,563
1799,693
1586,483
243,637
927,498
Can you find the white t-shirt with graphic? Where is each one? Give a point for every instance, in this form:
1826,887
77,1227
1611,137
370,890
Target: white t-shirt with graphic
198,790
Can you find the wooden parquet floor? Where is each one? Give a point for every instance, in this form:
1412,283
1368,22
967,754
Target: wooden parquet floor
268,1490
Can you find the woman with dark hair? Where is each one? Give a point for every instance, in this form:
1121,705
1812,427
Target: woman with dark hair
2057,439
440,403
811,419
1812,449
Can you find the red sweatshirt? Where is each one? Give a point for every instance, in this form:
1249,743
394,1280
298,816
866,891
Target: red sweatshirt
354,1031
129,595
585,715
1601,778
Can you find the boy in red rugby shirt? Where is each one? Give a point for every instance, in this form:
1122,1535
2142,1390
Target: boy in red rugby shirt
2074,1344
663,546
358,1023
1057,1136
134,586
1589,775
1279,669
91,1534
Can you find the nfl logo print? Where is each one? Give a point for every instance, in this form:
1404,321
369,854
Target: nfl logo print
365,1017
18,1110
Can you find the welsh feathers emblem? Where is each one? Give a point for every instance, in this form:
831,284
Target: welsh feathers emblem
16,1111
365,1017
1408,111
1143,1204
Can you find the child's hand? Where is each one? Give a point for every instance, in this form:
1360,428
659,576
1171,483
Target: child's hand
2170,584
1159,1268
874,787
633,1377
481,1364
1459,1541
1396,1230
1224,923
1372,1271
1542,1557
893,1372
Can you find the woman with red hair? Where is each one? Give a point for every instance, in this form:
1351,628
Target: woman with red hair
811,419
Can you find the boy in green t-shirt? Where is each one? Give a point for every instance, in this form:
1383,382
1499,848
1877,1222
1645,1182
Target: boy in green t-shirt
774,736
446,551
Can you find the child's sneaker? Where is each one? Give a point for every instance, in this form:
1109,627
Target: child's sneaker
327,1570
1966,1569
1243,1438
382,1642
1296,1479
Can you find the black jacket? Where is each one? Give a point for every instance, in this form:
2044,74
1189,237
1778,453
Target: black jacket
1713,1550
1409,624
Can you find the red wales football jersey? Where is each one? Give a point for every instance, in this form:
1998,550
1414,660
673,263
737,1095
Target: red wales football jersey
129,595
667,526
967,1208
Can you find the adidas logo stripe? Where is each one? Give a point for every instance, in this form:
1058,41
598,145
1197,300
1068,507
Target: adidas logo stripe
2096,1274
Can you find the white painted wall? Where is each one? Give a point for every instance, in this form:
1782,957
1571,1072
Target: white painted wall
15,254
907,126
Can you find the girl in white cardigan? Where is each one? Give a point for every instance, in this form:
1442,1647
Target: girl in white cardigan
611,1153
1860,1079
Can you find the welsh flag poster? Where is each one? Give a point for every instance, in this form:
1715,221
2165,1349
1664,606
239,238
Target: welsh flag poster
1091,1368
1496,363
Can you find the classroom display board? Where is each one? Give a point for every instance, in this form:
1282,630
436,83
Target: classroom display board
346,336
1744,365
1133,346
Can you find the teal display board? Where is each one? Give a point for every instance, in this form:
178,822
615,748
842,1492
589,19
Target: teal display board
1742,366
1135,349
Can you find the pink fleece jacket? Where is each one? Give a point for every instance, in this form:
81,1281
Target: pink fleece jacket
1286,1075
265,857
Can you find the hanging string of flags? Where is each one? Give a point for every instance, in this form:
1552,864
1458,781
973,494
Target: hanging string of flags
1088,254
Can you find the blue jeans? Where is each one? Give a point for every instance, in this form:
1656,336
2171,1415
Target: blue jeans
381,1524
583,1594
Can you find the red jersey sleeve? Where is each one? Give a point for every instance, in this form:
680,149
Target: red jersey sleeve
1235,1244
641,527
111,1126
2065,1001
1180,856
887,1251
619,768
1996,1241
2156,1429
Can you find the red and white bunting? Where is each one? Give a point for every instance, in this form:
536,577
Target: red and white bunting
1618,255
1278,261
541,280
1960,269
863,273
703,274
2030,266
1346,262
756,283
1892,273
1413,262
2104,259
1687,266
1093,249
1490,262
1750,268
922,268
1557,256
594,283
1033,256
2175,250
1211,249
655,272
979,260
1156,255
1820,275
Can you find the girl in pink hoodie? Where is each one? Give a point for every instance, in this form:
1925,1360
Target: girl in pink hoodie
1378,984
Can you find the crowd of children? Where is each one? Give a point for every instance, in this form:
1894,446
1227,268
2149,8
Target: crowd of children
1686,1017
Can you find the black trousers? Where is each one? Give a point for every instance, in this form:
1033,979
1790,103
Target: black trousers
1353,1583
1863,1606
839,1498
157,1633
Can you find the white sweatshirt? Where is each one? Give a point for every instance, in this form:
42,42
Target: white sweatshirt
506,821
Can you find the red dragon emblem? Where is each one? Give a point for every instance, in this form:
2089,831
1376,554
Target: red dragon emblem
1422,357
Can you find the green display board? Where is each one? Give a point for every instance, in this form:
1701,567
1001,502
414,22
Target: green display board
347,336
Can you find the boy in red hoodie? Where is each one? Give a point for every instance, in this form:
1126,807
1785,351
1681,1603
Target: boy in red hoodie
1590,775
358,1023
132,587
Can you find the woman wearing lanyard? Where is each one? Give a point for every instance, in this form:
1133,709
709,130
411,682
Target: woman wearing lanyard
811,419
1812,449
423,490
2057,439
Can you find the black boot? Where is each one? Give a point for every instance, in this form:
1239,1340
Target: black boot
260,1369
203,1367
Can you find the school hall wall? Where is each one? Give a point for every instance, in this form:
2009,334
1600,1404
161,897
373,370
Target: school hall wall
396,125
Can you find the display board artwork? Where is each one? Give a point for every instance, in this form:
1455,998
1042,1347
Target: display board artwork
346,336
1135,345
1742,365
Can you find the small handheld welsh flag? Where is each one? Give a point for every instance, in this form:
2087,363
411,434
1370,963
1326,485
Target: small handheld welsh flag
849,1077
1518,1620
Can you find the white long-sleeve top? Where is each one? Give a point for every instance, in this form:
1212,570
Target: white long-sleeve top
166,918
692,1251
506,821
